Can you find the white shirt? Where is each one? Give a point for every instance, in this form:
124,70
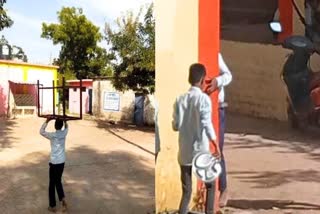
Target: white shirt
57,140
224,79
192,118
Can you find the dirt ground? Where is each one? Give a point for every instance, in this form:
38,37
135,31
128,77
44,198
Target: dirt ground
271,168
109,168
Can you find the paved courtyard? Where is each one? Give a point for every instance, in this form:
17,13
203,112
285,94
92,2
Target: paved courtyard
272,168
109,168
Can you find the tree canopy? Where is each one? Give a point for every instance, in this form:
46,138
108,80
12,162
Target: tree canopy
5,20
80,54
133,50
130,59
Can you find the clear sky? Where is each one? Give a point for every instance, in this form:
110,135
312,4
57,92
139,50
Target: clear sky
28,16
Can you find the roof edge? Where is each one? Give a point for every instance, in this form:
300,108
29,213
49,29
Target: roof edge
11,62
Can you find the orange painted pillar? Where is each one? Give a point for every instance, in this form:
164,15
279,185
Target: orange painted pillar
286,19
209,47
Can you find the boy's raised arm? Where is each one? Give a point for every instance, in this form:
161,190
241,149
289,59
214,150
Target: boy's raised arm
225,77
43,131
222,80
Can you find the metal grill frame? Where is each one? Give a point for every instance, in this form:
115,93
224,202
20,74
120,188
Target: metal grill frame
63,87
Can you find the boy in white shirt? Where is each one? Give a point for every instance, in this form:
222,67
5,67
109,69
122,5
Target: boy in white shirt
192,119
219,83
57,161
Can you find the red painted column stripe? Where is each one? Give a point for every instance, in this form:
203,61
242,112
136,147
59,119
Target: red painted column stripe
286,19
209,47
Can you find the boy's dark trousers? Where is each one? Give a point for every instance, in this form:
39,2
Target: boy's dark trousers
223,175
55,174
186,180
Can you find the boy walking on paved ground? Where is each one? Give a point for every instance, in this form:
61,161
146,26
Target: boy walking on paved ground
192,119
218,83
57,161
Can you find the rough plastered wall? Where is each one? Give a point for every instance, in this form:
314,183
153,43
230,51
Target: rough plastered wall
246,45
256,88
176,50
126,102
24,73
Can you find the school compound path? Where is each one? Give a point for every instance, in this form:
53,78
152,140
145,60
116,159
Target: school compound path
109,169
272,169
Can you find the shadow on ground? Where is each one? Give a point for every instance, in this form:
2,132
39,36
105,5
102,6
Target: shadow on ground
117,182
268,133
114,129
6,131
124,126
271,204
268,179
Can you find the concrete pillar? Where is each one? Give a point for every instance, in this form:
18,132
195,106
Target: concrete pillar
209,47
187,31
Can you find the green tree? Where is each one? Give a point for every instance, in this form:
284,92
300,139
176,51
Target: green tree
79,55
5,20
133,50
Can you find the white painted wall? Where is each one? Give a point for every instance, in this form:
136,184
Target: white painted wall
46,96
7,73
74,100
16,74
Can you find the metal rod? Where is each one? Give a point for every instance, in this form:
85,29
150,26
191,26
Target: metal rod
63,98
63,87
41,100
72,86
59,116
9,97
80,98
59,87
38,97
54,98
